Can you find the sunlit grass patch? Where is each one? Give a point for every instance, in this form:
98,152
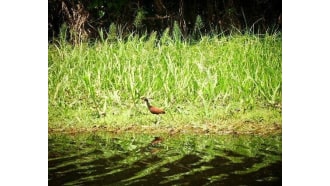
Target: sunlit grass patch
217,80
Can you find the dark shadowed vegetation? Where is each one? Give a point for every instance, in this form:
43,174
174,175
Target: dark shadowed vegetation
88,19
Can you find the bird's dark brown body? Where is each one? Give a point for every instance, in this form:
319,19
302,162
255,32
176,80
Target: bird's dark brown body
152,109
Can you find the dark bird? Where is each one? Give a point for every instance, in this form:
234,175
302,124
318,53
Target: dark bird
152,109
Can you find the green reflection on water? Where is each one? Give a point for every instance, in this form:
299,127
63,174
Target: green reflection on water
103,158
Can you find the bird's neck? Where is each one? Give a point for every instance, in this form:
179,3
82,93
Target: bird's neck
148,104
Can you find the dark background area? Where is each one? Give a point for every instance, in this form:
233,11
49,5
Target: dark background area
85,18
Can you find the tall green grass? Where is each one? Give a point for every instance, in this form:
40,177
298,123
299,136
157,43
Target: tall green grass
196,82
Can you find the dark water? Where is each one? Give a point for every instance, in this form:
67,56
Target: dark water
105,159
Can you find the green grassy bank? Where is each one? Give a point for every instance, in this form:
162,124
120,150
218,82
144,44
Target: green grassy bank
228,84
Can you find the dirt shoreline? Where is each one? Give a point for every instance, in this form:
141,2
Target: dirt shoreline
244,128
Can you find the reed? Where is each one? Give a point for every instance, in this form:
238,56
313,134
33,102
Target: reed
215,79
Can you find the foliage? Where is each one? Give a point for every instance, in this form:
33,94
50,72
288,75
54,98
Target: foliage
198,26
177,35
85,18
140,15
210,81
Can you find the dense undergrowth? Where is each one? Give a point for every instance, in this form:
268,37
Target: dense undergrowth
218,81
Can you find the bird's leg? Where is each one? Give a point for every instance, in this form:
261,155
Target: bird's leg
158,120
